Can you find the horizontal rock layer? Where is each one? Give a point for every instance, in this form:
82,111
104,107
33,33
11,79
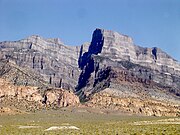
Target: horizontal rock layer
56,63
110,53
110,62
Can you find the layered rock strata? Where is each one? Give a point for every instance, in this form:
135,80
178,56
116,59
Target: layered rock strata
107,72
32,98
56,63
111,52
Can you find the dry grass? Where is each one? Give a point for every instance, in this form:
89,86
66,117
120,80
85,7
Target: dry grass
87,123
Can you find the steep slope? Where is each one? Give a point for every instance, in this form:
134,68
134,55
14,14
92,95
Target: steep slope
22,89
110,72
49,58
20,76
113,61
111,50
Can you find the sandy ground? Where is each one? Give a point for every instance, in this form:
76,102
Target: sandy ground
61,127
25,127
64,126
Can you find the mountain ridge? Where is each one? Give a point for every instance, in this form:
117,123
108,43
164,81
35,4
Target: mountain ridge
111,63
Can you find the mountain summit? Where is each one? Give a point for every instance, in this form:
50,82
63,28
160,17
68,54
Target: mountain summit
110,49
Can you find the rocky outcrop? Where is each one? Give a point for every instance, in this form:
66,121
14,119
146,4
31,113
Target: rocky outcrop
33,98
105,99
60,98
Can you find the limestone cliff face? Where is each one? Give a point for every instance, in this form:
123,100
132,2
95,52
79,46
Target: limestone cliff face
111,64
112,56
20,76
121,47
56,63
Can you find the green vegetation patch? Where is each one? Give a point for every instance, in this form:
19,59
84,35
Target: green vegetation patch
87,123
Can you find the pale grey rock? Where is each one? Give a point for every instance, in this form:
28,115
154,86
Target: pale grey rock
121,47
106,62
49,58
112,55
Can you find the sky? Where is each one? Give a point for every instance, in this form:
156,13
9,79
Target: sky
151,23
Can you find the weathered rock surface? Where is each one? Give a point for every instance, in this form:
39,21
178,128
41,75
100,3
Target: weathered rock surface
20,76
111,72
33,98
56,63
144,75
105,99
110,52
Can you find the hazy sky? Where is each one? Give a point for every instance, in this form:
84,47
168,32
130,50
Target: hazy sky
150,22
